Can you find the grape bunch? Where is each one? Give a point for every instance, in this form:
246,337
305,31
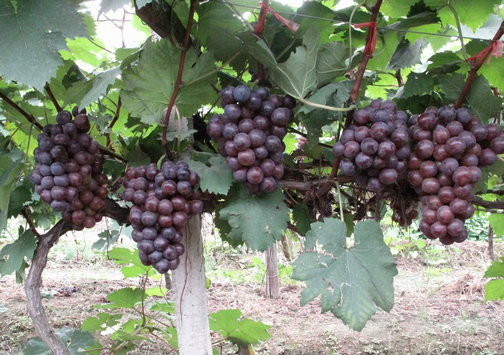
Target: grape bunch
68,174
450,147
162,201
249,134
375,148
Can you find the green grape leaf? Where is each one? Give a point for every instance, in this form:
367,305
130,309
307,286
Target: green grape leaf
12,256
101,322
494,289
407,54
84,93
496,221
75,339
483,103
151,82
397,8
123,298
216,178
494,72
443,63
298,75
331,61
469,13
134,266
32,34
351,280
11,165
257,220
417,84
301,216
218,29
242,331
452,85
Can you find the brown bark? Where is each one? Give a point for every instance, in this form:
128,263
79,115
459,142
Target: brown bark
32,289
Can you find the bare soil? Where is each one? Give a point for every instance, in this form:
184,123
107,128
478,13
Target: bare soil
439,306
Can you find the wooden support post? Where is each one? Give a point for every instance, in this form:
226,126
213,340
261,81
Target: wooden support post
272,282
189,281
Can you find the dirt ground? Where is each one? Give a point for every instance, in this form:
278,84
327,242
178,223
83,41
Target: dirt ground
439,306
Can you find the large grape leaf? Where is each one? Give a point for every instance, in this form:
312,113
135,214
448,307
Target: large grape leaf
12,256
298,75
123,298
243,331
86,92
216,178
32,34
470,13
351,280
418,84
494,289
75,339
221,31
257,220
11,165
331,61
484,104
150,84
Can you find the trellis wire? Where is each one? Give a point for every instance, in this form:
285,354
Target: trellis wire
339,22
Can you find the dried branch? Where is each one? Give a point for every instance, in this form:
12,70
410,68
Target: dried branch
29,117
52,97
476,63
367,54
114,119
178,82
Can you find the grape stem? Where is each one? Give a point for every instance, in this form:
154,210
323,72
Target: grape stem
26,215
366,55
459,29
325,107
114,120
29,117
52,97
178,82
476,65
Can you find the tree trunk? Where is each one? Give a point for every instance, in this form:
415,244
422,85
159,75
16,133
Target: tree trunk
272,283
32,289
189,281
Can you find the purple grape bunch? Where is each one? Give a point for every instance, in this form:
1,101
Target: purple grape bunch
163,200
439,153
375,148
68,174
249,134
450,148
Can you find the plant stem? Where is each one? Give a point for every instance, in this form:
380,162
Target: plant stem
26,215
178,82
362,66
459,30
29,117
477,65
52,97
114,120
325,107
